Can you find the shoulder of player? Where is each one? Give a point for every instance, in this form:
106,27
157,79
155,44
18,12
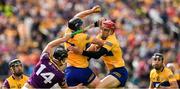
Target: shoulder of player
6,83
112,38
83,36
25,76
9,78
167,69
111,41
152,71
6,80
44,54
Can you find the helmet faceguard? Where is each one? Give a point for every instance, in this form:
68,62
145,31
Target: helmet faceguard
14,63
158,56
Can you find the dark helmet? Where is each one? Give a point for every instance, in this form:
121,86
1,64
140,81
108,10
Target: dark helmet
75,23
158,55
60,53
14,62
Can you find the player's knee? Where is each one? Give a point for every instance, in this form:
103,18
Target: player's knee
101,85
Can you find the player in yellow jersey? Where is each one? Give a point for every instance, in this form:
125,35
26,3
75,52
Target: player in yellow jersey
111,54
17,79
78,70
161,76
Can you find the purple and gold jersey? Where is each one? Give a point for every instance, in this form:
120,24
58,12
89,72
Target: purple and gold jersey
46,74
12,83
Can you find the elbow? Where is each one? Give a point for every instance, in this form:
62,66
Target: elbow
49,46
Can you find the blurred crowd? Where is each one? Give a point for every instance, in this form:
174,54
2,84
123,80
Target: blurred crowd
143,27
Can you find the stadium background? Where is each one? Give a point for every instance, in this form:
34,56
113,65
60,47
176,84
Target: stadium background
143,26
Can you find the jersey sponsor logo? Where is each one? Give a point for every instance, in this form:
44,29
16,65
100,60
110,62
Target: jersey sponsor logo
108,43
117,74
91,77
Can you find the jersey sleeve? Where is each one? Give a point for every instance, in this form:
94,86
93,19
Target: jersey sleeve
44,56
150,76
6,84
108,45
171,76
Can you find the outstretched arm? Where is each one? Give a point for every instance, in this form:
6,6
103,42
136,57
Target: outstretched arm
58,41
95,9
54,43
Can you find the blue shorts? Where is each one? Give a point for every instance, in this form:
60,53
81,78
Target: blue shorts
121,74
75,76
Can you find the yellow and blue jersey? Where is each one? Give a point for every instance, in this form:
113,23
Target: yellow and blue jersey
163,77
114,57
12,83
78,71
80,41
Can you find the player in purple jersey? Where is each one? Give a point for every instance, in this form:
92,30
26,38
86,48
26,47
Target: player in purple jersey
48,71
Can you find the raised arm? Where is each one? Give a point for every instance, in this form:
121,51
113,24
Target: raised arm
58,41
53,44
95,9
